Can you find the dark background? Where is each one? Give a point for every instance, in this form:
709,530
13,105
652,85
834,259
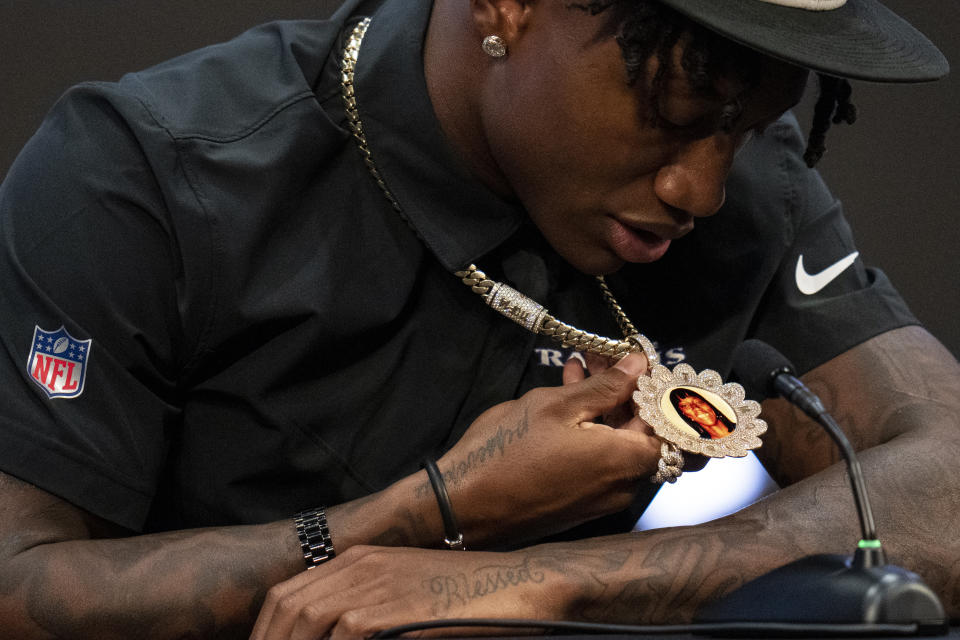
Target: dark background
895,170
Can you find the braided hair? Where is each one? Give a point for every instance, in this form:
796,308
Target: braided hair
647,28
833,107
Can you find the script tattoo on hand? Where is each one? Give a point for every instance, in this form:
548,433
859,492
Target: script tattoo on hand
459,589
592,570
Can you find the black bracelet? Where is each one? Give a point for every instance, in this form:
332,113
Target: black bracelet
314,536
451,531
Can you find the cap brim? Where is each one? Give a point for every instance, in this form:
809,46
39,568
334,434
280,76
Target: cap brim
861,40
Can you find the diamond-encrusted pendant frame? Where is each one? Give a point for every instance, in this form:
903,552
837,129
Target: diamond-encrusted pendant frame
656,403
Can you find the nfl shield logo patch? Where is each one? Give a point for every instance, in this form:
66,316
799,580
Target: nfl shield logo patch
58,362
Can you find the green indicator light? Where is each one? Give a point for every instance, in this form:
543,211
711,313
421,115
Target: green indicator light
869,544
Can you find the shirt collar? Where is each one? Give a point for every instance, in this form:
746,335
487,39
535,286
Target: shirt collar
457,217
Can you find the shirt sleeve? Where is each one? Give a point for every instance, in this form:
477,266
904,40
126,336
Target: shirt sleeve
822,299
89,325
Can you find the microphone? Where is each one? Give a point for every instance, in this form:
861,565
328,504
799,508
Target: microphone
858,590
767,372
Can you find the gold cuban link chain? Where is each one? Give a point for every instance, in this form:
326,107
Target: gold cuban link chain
499,296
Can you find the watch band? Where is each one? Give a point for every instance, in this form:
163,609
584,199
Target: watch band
314,535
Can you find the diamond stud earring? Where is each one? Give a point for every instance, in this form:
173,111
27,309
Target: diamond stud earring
494,46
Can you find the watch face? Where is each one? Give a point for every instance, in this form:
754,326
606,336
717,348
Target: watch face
699,413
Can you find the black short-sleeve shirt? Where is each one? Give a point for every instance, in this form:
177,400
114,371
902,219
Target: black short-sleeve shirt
210,313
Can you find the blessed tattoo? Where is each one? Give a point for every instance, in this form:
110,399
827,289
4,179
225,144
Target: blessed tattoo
453,590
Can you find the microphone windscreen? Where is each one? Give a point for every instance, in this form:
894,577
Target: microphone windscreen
755,364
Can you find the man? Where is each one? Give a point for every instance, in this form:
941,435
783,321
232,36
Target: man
230,278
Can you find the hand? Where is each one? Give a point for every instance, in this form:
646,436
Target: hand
624,415
369,589
541,464
620,416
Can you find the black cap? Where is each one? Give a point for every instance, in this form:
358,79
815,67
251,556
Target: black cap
855,39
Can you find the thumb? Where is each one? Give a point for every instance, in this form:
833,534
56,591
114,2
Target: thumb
607,389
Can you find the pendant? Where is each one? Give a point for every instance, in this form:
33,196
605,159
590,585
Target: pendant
696,413
699,413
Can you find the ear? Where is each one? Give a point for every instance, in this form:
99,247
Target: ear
504,18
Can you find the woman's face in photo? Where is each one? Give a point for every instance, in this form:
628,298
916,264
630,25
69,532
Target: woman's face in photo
698,410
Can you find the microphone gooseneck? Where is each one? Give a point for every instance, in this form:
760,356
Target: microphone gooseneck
766,372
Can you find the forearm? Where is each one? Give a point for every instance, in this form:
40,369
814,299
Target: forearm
183,584
55,582
661,576
666,575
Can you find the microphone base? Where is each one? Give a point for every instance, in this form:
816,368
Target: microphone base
832,589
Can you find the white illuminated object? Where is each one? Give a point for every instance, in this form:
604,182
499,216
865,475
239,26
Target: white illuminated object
724,486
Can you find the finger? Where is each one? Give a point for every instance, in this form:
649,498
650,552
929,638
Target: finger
306,610
314,621
268,617
351,607
637,425
619,415
285,600
597,363
281,610
573,370
598,394
694,462
363,623
642,442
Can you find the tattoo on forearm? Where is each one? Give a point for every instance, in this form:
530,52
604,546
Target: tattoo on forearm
676,573
496,445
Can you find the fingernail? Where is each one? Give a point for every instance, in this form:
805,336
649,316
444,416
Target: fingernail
632,364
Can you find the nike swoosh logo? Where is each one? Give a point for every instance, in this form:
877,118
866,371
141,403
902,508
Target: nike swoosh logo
812,283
